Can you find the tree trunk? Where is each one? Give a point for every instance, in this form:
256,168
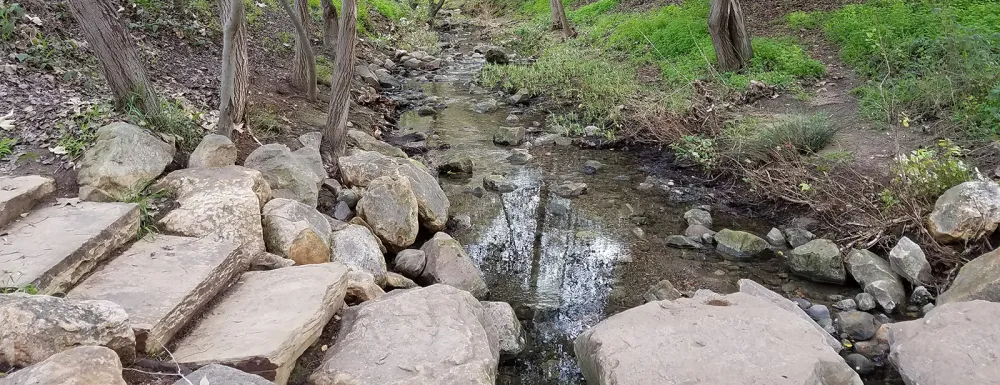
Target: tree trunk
556,20
235,74
729,35
304,65
330,27
563,20
432,10
335,137
104,29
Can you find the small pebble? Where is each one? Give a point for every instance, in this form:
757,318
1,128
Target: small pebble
802,302
818,312
921,296
783,275
720,272
846,305
927,308
865,301
834,297
788,287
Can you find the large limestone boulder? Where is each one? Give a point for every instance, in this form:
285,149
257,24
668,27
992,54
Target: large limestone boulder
35,327
428,336
296,231
83,365
213,151
956,343
295,174
739,244
737,339
123,158
965,212
757,290
363,141
877,278
356,247
448,263
390,207
222,202
909,261
818,260
501,318
362,167
978,279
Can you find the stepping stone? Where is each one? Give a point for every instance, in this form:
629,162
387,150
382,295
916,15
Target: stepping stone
267,320
53,247
20,193
162,281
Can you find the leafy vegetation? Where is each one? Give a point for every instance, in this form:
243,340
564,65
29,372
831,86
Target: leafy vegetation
173,119
7,146
143,196
700,150
9,14
927,173
928,59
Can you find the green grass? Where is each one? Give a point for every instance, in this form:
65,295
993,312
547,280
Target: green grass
7,146
929,58
793,135
571,75
143,196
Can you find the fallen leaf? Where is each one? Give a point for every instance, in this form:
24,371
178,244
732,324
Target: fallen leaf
58,150
34,19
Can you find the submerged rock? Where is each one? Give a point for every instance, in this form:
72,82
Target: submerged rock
457,164
859,325
498,183
737,244
877,278
909,261
978,279
509,136
519,156
819,260
571,189
957,343
732,339
682,242
965,212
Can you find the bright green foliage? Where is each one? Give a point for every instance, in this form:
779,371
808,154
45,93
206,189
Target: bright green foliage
590,13
799,19
143,196
572,75
930,57
702,151
676,38
929,172
7,146
9,15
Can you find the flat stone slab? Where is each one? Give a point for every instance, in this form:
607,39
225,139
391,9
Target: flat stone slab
162,281
20,193
265,322
53,247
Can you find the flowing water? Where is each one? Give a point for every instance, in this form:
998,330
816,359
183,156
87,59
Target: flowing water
565,264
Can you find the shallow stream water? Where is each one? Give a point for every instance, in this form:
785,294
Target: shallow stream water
566,264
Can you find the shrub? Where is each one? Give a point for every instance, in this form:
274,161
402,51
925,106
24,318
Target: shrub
697,149
781,139
928,172
7,146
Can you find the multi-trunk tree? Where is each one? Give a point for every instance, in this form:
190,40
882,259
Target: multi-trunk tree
335,136
104,28
235,74
304,65
730,37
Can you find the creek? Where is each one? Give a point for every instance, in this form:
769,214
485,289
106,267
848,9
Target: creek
566,264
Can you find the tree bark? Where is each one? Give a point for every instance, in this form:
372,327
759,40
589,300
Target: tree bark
563,20
235,74
554,11
304,65
105,31
335,137
330,27
730,37
432,10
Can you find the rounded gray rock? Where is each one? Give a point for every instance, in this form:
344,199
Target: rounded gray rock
865,301
410,263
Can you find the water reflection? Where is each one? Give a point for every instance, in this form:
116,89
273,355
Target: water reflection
550,262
